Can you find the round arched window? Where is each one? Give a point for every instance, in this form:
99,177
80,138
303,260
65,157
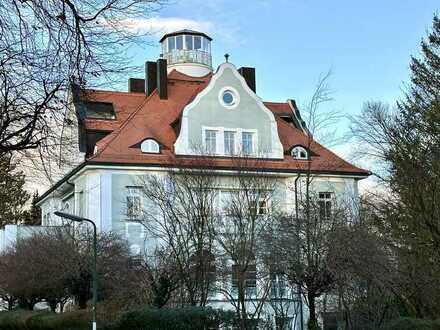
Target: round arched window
299,152
150,146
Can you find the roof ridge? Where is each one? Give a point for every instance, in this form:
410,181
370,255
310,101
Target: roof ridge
112,92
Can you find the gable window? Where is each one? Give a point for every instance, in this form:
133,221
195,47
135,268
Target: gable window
325,204
134,203
211,141
229,137
299,153
229,97
150,146
247,143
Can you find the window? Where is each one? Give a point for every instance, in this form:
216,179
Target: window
171,43
134,203
278,288
150,146
247,143
189,42
325,204
134,232
259,205
247,277
205,44
299,153
197,42
179,42
229,137
263,207
229,97
211,141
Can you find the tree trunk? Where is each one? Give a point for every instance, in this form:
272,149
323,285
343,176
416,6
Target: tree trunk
313,322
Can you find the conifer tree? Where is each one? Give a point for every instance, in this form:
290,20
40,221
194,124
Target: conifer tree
12,194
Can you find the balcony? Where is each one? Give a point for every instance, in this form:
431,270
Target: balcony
177,56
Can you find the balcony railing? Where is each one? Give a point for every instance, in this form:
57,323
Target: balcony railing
188,56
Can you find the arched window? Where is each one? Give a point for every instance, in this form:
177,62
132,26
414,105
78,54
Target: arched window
150,146
299,152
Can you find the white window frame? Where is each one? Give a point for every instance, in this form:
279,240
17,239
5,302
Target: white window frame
150,146
220,140
296,153
217,142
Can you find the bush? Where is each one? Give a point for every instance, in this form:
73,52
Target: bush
27,320
407,323
173,318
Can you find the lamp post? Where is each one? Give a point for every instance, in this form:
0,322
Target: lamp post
94,272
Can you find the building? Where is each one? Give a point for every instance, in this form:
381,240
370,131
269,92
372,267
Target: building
179,111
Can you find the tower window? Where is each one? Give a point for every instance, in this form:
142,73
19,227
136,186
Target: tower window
189,42
299,153
171,43
197,42
179,42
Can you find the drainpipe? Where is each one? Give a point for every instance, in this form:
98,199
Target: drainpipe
297,251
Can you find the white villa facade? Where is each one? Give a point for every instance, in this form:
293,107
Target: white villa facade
154,128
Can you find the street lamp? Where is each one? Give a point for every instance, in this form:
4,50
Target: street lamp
94,272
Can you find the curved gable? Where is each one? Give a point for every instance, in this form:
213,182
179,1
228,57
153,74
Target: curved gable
247,116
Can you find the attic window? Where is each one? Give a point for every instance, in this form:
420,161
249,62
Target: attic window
100,110
299,152
150,146
287,119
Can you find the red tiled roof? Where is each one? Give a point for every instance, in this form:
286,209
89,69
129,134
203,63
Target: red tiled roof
140,117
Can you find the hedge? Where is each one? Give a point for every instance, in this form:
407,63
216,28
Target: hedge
27,320
407,323
148,318
173,318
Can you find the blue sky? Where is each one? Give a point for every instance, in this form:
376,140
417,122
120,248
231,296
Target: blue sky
366,44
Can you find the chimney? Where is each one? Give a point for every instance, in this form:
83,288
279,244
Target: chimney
150,77
162,78
136,85
249,75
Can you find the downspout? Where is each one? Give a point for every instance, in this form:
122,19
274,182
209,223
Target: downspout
297,251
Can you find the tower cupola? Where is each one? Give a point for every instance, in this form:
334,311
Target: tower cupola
188,52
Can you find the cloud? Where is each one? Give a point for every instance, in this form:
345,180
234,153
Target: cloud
162,25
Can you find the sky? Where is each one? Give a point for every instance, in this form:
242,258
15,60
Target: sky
365,44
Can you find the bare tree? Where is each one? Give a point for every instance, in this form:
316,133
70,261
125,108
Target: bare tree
181,218
45,48
246,209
